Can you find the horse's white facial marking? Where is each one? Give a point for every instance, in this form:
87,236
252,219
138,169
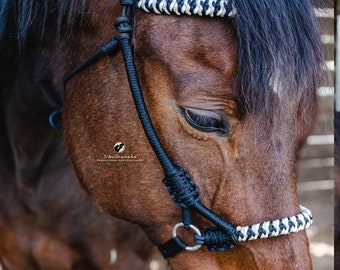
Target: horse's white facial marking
275,84
113,256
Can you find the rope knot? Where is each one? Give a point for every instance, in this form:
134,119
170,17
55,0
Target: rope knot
124,27
217,239
182,188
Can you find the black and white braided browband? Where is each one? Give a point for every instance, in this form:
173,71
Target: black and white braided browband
276,227
212,8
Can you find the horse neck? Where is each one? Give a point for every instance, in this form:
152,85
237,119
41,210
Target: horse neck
29,142
33,94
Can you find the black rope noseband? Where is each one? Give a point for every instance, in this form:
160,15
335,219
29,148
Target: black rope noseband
179,183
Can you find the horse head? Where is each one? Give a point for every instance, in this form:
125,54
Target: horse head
231,100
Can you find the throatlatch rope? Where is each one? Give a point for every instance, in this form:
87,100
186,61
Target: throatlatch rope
179,183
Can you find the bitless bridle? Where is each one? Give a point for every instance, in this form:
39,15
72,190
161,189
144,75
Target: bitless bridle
178,182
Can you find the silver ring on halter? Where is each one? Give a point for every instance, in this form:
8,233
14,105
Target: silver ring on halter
195,229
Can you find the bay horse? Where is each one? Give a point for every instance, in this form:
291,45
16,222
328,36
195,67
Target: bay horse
231,95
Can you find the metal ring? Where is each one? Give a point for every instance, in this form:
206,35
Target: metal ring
195,229
51,119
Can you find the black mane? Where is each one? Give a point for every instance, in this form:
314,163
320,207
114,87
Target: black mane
19,17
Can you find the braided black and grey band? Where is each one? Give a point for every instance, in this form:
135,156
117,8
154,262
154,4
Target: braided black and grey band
212,8
276,227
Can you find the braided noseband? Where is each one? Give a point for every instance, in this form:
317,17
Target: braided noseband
179,183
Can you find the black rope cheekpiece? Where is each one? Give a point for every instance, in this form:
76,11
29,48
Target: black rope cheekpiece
181,187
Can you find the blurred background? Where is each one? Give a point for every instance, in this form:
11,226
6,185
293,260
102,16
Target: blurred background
316,164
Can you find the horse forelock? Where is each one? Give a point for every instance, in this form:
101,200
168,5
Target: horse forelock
280,54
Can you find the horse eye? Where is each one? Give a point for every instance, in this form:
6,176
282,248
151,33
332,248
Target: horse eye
205,123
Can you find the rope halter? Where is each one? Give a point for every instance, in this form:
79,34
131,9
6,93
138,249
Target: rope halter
179,183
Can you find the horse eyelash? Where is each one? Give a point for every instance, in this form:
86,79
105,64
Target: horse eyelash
206,123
